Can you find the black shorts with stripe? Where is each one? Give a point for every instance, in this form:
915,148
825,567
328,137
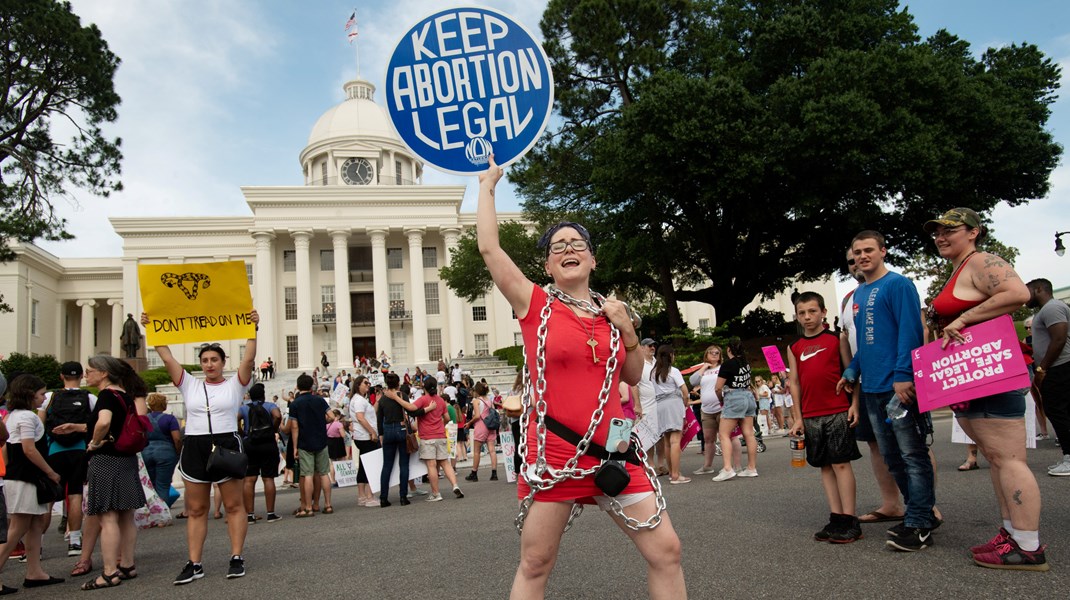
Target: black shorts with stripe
195,452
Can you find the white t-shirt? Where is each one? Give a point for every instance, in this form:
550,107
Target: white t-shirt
707,384
359,405
441,377
450,391
24,425
671,385
224,398
456,376
764,392
646,387
847,321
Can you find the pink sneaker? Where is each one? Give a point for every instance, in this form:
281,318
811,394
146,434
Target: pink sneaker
1009,555
993,543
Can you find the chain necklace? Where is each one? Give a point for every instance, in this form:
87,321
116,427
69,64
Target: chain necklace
540,476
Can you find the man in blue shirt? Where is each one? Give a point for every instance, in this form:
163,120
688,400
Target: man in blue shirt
888,325
308,418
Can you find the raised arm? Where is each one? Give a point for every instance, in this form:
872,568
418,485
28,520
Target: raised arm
174,368
245,368
506,275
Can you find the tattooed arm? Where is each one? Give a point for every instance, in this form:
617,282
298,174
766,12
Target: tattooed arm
993,277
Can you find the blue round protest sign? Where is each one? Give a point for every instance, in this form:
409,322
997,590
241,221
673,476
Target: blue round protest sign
467,82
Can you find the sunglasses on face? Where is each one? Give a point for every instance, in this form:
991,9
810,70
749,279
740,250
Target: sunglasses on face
577,245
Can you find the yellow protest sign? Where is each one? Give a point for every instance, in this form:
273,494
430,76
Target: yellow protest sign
196,302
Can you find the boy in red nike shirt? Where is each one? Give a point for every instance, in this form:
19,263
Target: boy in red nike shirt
826,416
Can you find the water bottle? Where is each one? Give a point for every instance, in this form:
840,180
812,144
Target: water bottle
797,443
895,409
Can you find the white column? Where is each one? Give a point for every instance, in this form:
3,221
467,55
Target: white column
419,306
305,346
454,305
86,342
117,321
342,322
381,291
264,301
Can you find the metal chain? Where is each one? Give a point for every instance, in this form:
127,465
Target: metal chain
540,477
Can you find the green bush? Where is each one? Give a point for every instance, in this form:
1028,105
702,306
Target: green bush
514,355
159,376
44,366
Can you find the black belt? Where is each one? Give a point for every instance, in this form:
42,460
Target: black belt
594,450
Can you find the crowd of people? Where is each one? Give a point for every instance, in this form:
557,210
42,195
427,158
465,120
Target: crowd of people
598,414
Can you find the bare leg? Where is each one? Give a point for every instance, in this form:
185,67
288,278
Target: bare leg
725,433
660,548
832,491
127,538
539,544
709,432
971,458
269,493
1002,441
325,485
674,454
891,503
197,525
752,444
237,524
432,474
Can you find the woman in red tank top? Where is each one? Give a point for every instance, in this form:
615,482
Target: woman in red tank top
984,287
570,356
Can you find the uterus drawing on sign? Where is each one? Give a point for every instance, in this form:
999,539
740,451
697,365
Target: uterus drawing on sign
187,282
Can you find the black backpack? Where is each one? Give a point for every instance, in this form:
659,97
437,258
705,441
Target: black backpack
67,406
261,424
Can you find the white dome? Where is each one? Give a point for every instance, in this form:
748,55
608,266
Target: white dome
359,115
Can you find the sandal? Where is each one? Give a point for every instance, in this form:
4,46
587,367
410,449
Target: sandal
127,572
968,466
109,581
328,510
301,513
182,515
217,516
82,567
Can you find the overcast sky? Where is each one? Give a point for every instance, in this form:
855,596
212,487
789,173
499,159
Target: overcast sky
218,95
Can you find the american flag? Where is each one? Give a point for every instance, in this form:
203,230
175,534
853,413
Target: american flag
351,27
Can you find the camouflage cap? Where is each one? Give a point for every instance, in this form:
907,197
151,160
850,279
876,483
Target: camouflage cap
954,218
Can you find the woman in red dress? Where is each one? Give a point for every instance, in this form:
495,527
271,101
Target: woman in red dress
579,347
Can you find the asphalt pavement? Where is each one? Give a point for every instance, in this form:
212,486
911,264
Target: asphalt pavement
744,538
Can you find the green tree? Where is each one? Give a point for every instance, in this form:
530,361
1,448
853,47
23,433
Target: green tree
57,77
721,149
44,366
467,274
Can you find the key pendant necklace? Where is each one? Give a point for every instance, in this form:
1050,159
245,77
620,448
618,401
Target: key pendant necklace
590,337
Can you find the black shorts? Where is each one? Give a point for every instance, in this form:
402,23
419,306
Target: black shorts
72,467
263,459
336,448
195,452
829,440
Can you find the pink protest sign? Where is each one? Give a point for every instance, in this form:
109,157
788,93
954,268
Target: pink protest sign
773,359
990,361
691,428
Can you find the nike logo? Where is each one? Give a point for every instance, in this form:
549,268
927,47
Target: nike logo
924,537
805,356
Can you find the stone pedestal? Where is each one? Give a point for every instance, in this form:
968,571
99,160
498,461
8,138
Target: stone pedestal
139,364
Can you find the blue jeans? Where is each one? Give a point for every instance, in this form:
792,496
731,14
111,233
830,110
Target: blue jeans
160,461
902,444
394,445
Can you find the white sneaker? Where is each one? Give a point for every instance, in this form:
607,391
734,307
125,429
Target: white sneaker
748,473
1042,436
1062,470
703,471
1064,461
724,475
434,498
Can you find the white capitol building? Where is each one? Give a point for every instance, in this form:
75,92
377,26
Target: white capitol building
346,264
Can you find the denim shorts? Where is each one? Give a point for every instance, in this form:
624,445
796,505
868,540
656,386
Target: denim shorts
738,404
1008,405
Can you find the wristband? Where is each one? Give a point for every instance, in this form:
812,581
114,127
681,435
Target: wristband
632,347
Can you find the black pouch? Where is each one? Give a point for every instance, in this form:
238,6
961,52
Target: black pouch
612,477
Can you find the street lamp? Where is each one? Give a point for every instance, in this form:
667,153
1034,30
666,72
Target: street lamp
1059,248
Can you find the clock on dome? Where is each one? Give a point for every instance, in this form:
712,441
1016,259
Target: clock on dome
357,171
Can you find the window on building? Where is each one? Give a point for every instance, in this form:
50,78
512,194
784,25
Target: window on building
291,352
430,257
434,344
95,343
397,171
289,260
360,258
323,172
518,339
399,346
397,292
290,303
249,273
68,334
393,258
513,312
241,351
703,324
479,313
327,299
153,359
482,347
431,297
35,307
326,260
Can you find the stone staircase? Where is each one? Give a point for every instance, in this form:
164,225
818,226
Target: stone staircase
496,371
